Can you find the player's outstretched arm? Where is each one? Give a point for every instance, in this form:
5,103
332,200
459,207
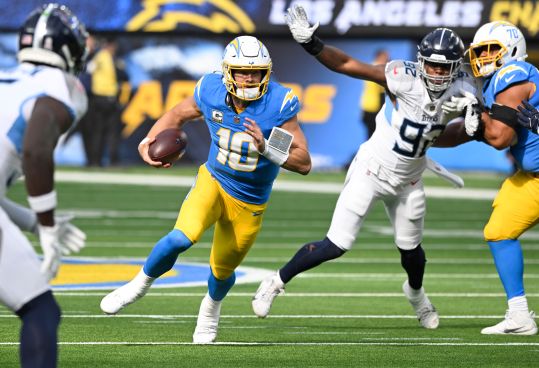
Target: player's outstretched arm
332,57
174,118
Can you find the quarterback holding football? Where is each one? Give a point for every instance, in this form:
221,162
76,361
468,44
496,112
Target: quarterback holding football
254,131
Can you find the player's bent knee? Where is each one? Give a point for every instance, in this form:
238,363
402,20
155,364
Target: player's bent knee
178,241
221,272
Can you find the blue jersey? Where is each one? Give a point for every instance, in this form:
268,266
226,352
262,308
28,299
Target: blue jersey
526,150
233,158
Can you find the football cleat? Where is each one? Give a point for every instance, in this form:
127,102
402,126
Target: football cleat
425,311
515,323
207,321
126,294
268,290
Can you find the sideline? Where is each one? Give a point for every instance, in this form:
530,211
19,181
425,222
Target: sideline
280,185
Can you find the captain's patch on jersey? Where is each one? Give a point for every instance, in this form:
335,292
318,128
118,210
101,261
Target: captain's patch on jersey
95,274
217,116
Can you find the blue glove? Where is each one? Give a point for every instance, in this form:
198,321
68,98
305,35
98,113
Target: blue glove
528,116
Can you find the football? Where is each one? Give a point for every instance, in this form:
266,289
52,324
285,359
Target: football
169,146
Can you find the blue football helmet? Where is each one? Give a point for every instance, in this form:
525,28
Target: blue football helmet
52,35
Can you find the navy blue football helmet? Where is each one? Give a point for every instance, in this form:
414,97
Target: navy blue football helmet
52,35
440,48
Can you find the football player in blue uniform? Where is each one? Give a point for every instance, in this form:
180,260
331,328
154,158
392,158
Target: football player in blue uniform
254,131
41,99
497,55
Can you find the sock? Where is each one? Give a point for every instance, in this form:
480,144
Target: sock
518,303
510,265
217,289
165,253
39,332
310,256
413,261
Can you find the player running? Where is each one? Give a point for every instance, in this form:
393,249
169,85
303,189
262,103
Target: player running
254,131
389,166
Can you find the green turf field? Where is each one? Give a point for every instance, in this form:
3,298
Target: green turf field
346,313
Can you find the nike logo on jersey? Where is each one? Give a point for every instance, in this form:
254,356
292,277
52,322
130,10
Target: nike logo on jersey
293,107
258,213
509,79
414,182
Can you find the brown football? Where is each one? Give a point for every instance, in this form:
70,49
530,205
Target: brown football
169,145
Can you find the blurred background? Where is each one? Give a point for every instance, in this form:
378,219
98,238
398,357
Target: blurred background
147,55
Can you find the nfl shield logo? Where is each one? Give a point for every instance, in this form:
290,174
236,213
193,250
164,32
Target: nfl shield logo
236,119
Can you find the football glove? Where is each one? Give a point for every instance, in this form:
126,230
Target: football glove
50,244
472,121
71,238
456,105
528,116
297,21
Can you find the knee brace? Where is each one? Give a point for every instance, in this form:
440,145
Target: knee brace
165,253
310,256
413,261
39,332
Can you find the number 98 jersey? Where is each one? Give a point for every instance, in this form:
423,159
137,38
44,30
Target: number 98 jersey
410,120
233,158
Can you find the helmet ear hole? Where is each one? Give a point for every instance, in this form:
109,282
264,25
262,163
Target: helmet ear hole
514,52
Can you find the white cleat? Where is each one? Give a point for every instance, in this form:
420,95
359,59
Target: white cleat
515,323
268,290
126,294
425,311
207,321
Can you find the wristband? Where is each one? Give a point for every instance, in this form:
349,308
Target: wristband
274,155
314,46
277,147
44,202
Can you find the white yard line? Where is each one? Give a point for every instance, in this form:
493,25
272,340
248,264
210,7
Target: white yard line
276,316
241,343
302,295
280,185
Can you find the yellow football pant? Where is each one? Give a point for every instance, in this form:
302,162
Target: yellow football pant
237,223
515,208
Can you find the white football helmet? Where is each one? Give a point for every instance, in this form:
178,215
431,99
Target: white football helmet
501,34
246,52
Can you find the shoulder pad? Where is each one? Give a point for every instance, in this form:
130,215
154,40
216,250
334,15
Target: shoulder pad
401,75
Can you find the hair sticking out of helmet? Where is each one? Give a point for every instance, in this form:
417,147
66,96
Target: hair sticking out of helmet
52,35
494,45
246,53
440,55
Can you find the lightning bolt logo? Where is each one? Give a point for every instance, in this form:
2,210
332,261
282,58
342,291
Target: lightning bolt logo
154,17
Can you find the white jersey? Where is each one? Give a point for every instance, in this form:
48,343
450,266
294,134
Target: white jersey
410,123
19,89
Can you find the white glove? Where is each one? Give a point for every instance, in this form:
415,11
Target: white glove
457,104
48,238
472,120
71,238
298,23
